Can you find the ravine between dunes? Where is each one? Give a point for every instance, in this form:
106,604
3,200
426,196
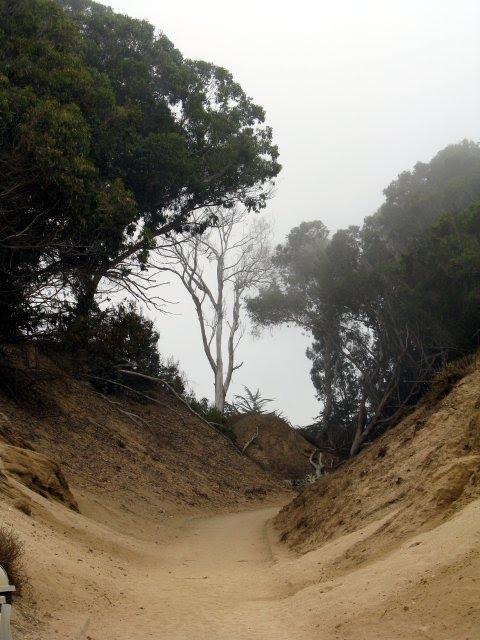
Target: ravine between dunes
226,576
163,530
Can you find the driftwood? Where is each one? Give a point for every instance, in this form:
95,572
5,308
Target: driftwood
251,441
318,466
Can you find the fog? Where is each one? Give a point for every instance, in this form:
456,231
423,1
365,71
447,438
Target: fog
356,92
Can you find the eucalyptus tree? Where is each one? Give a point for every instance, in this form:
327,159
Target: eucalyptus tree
362,295
218,268
193,139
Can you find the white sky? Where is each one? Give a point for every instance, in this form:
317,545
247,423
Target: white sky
356,91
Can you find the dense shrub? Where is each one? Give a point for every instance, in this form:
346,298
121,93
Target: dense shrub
210,413
103,343
203,406
448,376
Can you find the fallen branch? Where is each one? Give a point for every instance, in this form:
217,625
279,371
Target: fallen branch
251,441
144,395
134,417
213,425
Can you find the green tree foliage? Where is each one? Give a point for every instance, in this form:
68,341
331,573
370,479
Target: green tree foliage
449,183
386,304
109,139
251,402
440,283
56,207
194,139
117,338
198,140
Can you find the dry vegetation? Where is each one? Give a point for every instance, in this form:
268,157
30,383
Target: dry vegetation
451,373
277,448
12,559
410,479
119,444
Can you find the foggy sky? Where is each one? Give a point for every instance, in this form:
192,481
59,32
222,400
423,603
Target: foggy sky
356,92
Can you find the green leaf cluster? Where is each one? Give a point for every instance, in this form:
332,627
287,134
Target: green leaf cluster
388,303
109,138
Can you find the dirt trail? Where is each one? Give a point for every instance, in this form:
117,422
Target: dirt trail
386,547
193,578
226,576
216,581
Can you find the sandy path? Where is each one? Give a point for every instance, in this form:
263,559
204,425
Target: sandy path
219,581
216,581
216,578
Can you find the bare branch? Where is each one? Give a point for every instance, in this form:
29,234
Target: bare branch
218,268
251,441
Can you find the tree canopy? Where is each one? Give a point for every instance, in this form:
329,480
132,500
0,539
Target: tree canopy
110,138
386,303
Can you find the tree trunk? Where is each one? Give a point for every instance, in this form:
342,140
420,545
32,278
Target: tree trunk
219,395
329,379
219,389
85,303
360,432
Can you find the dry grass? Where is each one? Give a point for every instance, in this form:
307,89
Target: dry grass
442,383
424,470
11,558
23,505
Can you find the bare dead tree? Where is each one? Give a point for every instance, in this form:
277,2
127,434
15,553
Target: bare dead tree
218,268
318,466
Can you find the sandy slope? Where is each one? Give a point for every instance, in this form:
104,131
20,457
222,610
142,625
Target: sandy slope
203,578
278,448
123,450
226,576
173,538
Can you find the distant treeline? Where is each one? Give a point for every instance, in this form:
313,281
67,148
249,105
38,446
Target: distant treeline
387,303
